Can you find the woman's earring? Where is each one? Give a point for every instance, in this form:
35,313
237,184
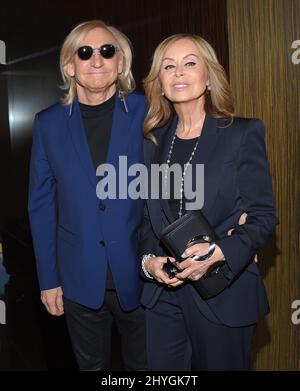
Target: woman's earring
162,93
208,90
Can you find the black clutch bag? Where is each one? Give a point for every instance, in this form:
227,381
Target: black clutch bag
193,228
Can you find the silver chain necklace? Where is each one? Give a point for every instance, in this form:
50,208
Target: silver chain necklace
184,171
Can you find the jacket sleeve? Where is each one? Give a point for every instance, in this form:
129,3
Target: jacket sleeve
255,189
148,243
43,212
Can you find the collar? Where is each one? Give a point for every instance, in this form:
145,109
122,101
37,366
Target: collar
120,97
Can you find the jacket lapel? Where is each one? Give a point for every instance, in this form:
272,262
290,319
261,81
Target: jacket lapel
161,158
154,154
80,141
120,135
205,154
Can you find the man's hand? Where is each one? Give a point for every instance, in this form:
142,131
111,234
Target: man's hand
53,301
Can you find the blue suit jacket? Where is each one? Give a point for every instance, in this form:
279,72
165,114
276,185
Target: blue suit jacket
236,180
66,221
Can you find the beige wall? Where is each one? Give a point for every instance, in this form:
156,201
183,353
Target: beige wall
266,84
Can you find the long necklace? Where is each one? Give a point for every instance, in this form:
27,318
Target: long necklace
184,171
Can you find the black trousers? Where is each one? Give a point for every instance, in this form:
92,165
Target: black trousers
180,338
90,334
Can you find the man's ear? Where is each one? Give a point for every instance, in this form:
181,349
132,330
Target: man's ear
70,69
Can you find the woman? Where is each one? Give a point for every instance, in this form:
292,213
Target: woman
190,121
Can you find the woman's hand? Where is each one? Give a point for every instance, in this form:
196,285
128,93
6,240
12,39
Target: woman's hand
242,220
193,269
154,266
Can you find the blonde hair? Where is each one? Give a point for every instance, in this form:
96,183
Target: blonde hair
73,41
219,103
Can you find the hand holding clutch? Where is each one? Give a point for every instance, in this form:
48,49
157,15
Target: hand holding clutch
194,269
190,229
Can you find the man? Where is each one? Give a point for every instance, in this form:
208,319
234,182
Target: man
86,247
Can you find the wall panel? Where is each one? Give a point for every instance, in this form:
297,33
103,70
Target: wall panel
266,85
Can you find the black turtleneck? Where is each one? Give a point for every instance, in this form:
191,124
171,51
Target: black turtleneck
97,121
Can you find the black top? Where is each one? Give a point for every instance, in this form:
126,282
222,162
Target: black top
182,150
97,121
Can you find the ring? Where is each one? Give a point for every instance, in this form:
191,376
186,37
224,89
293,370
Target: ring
191,277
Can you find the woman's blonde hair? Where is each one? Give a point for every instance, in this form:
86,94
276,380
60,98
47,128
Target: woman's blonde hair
74,40
218,103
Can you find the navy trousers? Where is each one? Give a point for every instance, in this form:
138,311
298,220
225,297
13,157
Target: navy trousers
180,338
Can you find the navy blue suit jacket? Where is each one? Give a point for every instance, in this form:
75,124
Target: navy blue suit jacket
236,180
67,223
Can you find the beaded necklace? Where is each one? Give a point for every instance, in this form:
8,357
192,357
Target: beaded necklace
184,171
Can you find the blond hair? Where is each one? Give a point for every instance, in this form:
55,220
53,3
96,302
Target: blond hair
219,103
126,82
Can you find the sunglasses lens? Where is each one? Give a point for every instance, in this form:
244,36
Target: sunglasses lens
107,51
85,52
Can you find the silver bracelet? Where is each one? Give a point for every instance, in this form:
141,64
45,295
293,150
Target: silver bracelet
210,252
144,259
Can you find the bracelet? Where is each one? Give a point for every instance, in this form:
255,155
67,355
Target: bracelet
210,252
144,259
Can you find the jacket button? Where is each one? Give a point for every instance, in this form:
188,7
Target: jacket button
102,243
102,207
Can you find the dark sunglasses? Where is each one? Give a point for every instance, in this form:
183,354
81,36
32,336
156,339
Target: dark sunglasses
107,51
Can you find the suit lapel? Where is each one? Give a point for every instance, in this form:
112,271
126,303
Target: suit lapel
205,155
80,141
154,154
161,158
120,135
208,140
